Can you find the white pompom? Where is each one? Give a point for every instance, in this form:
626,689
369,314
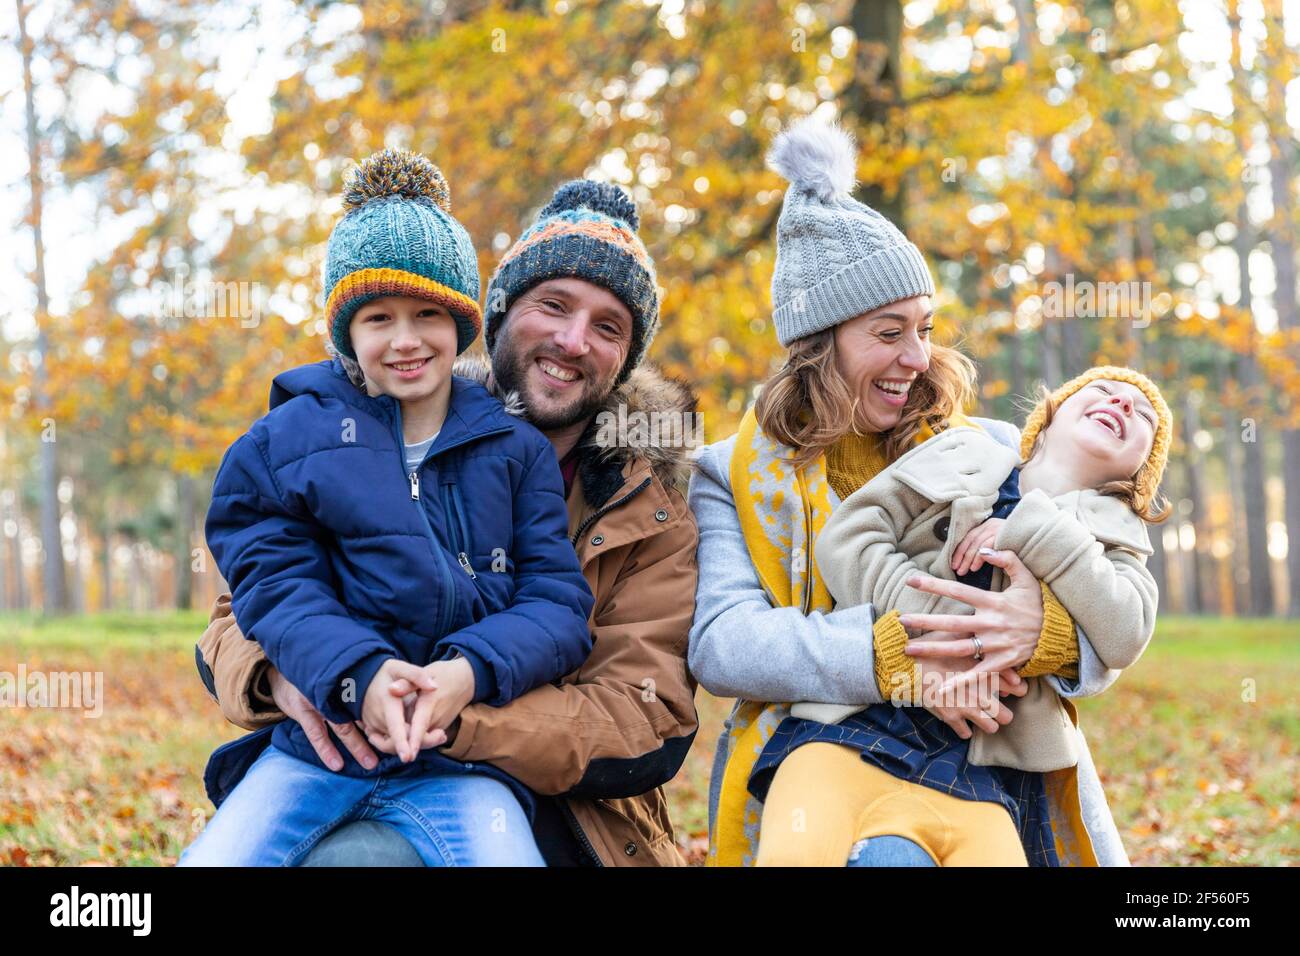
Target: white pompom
816,157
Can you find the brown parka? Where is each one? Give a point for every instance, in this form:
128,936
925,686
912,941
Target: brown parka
608,736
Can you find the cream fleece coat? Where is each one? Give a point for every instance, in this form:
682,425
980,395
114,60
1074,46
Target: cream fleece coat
1090,549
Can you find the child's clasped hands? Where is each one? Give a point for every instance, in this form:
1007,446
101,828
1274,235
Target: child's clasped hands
408,708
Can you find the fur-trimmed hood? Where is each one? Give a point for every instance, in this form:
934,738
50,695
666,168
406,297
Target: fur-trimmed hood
650,416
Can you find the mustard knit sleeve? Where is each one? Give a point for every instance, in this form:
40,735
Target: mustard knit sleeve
896,673
1058,644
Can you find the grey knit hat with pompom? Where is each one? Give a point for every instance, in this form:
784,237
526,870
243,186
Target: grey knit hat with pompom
836,258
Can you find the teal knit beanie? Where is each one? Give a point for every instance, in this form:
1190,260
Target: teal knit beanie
397,237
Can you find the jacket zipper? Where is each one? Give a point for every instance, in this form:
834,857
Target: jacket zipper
459,527
576,827
463,522
444,578
608,508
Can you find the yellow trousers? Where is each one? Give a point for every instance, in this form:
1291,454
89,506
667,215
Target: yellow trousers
825,798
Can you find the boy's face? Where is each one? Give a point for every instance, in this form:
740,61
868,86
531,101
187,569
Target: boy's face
1107,426
405,346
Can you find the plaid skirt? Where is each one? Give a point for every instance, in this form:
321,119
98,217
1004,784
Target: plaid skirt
913,744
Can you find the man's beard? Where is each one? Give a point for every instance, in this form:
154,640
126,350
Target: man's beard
510,369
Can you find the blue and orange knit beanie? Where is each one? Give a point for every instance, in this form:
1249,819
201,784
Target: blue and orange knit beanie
397,237
587,231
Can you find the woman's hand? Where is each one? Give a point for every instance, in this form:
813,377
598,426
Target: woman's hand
1007,623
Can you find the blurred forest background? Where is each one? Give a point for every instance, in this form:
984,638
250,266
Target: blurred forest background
173,169
1104,180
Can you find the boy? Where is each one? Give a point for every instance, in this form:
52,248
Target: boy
454,573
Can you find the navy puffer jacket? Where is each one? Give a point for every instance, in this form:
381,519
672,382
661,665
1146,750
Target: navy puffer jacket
338,559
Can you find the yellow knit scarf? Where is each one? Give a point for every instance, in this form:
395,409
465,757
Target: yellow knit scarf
781,511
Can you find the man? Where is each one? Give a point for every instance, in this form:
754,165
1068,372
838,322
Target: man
570,312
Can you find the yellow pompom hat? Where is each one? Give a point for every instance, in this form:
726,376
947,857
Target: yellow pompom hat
1149,475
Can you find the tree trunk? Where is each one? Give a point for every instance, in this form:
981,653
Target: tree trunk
1073,360
1247,432
105,565
184,595
1158,563
1287,320
54,581
76,581
1126,252
138,578
1230,438
1019,387
1049,340
1247,367
1202,571
1186,564
106,568
1062,340
1281,162
874,92
16,555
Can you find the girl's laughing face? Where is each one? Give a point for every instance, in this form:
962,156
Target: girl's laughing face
1107,424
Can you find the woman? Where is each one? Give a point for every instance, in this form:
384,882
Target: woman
861,385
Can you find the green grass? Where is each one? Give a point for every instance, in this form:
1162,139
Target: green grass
1239,640
1198,745
98,633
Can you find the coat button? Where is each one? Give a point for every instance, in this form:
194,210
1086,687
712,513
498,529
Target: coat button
941,528
661,515
598,539
630,849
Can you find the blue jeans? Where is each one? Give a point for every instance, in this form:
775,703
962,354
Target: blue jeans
888,851
284,806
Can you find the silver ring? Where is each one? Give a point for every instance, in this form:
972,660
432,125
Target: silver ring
979,649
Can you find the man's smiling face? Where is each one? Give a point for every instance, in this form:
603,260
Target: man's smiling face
561,347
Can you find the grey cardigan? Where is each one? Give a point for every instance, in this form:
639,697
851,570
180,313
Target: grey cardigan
743,647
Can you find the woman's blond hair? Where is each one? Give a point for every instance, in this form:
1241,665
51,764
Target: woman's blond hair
1152,507
809,406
